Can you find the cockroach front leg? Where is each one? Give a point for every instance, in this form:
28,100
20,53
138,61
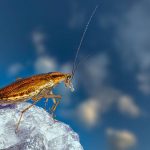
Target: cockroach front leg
49,92
53,109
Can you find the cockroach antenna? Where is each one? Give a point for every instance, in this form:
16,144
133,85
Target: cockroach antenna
74,68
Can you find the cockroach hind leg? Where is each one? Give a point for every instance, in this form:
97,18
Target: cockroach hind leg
17,127
22,112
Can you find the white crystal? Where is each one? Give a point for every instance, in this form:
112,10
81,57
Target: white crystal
37,131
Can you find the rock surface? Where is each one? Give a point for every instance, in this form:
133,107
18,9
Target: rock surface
37,131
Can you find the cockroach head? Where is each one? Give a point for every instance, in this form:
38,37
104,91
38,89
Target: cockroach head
68,83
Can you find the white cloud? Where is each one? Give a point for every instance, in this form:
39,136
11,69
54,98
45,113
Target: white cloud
121,139
127,106
95,73
38,39
14,69
45,64
133,44
89,112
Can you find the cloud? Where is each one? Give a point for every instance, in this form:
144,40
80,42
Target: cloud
132,40
89,112
14,69
121,139
127,106
45,64
95,73
39,39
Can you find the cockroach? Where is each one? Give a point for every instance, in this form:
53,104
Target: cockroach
40,86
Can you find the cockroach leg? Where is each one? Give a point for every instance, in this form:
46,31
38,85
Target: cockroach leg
54,99
22,112
52,110
49,92
54,102
46,101
52,96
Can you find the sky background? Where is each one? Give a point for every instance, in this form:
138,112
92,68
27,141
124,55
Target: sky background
110,108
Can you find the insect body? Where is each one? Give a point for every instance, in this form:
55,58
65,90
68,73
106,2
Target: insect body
32,87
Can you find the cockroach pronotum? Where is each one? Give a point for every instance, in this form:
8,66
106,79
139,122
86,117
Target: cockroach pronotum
40,86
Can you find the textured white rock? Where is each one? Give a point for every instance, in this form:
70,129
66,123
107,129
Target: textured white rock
37,131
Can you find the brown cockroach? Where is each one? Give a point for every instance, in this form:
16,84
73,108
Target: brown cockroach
39,86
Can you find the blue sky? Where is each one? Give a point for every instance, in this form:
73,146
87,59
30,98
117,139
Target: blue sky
110,106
